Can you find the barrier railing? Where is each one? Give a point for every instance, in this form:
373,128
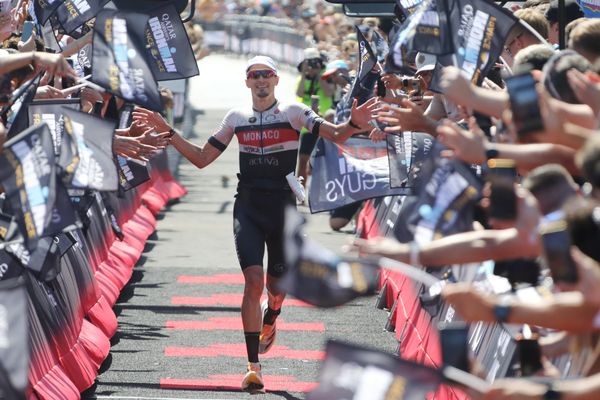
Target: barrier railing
251,34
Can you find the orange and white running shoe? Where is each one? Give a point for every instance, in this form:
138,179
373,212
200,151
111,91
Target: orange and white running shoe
253,382
267,333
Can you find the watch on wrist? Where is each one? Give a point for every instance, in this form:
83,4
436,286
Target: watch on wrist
491,152
501,312
551,393
171,133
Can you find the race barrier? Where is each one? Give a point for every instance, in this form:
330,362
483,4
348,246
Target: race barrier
67,320
251,34
415,311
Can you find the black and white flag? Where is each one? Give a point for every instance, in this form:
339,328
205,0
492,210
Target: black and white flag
14,339
119,64
354,372
318,276
480,29
15,111
346,173
406,153
93,136
35,196
45,8
169,53
364,82
426,30
72,14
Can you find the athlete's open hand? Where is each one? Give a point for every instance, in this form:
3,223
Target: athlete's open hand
361,115
150,119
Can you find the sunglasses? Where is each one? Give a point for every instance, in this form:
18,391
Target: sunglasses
261,73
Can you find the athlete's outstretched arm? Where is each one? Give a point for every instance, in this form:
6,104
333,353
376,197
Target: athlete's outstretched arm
200,156
358,122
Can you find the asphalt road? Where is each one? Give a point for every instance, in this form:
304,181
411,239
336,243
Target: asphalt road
180,333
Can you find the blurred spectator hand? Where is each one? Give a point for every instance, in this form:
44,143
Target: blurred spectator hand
408,118
456,87
48,92
515,389
133,148
586,88
589,276
468,146
471,304
150,119
53,64
377,135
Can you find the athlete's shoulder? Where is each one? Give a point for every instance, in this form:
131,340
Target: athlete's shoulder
292,108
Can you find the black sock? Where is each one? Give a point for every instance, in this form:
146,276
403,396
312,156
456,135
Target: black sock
252,341
270,316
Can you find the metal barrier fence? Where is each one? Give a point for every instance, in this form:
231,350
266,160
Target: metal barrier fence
251,34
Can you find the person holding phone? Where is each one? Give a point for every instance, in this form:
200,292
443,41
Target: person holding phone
268,133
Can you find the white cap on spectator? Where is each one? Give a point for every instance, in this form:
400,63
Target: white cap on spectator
262,60
425,62
311,53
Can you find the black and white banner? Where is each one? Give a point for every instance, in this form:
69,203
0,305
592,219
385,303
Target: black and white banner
28,173
93,136
72,14
480,29
446,200
346,173
364,82
51,113
318,276
407,152
118,63
169,52
45,8
16,109
426,30
353,372
14,338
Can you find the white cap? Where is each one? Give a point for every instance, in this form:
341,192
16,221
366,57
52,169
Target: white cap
425,62
262,60
311,53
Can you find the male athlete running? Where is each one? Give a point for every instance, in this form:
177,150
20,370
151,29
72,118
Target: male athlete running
268,135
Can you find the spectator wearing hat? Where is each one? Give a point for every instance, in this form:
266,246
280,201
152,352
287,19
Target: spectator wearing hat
309,85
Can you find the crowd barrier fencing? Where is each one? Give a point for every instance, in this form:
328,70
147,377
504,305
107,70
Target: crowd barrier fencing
251,35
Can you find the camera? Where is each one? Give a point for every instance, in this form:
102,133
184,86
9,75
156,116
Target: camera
315,63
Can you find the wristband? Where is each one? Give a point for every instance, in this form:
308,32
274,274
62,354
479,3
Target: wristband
352,124
491,153
501,312
414,254
551,393
171,133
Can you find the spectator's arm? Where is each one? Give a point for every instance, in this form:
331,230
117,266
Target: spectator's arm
75,46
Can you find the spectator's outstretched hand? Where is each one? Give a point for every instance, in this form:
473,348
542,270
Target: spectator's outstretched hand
377,135
380,246
408,118
471,304
456,87
361,115
151,119
514,389
48,92
468,146
586,88
133,148
154,139
53,64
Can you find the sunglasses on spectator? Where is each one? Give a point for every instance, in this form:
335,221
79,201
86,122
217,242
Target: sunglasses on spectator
261,73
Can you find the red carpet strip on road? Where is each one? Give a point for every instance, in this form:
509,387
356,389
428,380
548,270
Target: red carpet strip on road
239,351
227,299
229,279
235,323
232,382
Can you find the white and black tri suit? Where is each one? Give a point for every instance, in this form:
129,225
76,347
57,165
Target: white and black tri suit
268,143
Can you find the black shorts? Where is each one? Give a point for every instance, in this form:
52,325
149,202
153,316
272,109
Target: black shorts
258,217
307,143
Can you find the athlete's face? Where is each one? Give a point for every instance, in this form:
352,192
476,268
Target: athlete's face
261,80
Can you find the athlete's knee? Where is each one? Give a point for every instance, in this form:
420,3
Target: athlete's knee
254,281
